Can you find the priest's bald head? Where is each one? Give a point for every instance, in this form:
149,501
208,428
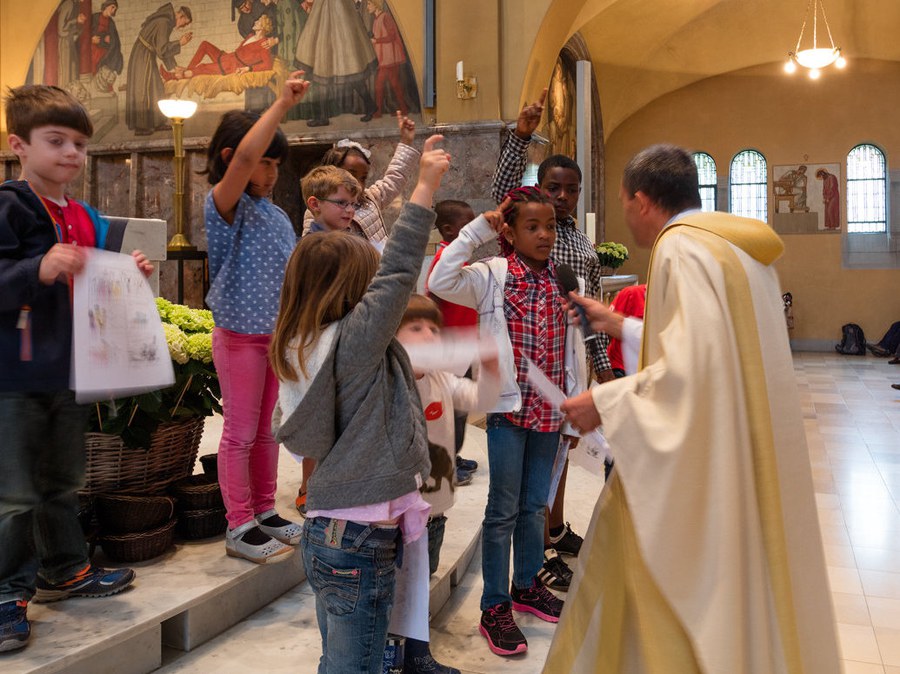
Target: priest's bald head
658,183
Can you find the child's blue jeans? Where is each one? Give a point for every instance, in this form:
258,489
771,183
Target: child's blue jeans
352,573
41,468
521,462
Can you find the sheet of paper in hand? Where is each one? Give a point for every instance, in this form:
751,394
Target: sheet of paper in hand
118,345
592,449
454,352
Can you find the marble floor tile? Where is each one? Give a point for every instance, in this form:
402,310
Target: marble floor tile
858,643
889,645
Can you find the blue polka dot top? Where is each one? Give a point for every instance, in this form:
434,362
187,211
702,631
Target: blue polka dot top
246,263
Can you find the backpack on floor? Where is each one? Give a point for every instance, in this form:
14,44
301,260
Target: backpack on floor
853,341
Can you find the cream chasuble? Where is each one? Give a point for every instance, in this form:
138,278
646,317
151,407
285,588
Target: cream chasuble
704,552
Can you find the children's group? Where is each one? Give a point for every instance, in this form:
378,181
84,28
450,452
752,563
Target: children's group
310,347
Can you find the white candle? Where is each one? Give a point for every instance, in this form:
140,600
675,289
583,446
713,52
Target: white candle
459,71
590,227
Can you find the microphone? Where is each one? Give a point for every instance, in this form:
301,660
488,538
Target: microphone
568,283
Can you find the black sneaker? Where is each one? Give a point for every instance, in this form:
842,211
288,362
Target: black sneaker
426,665
466,464
568,542
14,626
500,629
538,600
555,573
91,581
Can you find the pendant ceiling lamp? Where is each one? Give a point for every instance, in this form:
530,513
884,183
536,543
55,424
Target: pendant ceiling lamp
814,55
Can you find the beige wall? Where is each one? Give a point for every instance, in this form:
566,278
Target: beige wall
790,120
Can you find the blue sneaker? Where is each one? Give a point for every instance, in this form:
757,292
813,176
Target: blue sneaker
466,464
14,626
91,581
463,477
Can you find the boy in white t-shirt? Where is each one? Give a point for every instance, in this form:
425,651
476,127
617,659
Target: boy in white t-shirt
440,392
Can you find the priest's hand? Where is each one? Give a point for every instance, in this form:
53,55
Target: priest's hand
600,316
581,412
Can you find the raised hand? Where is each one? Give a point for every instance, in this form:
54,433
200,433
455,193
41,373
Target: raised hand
432,167
530,117
407,128
495,217
434,162
295,88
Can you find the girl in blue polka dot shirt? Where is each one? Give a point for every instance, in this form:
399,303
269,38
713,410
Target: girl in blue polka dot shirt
250,241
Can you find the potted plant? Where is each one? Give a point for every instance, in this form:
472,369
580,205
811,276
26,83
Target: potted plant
127,433
611,255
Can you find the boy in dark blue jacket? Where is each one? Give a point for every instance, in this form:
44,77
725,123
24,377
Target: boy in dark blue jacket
42,239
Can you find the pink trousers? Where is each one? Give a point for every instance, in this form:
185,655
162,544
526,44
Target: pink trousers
248,454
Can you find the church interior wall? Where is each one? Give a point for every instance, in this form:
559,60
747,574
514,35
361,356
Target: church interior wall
791,120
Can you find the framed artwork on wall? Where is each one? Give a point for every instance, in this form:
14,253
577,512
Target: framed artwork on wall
807,198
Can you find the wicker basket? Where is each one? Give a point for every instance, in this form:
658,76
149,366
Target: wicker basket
141,546
124,514
114,468
197,492
197,524
210,463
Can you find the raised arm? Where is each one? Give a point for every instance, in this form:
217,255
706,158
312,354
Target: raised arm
243,160
512,160
401,167
372,323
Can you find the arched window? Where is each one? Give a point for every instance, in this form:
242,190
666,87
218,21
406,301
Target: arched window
866,190
747,185
706,171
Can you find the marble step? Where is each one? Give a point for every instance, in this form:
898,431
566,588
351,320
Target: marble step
181,599
194,593
284,636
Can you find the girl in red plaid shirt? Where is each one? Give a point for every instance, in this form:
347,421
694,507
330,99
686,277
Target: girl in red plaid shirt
517,299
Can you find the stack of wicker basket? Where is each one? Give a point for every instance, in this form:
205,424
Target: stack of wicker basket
135,528
126,487
201,512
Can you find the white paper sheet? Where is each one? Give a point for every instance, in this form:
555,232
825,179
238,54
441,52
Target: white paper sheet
118,345
409,617
592,449
454,352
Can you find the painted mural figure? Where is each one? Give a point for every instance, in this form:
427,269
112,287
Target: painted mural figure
106,48
832,198
793,183
251,55
334,49
145,83
250,11
71,23
391,56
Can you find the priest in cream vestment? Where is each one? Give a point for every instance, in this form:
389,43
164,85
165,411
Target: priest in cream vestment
704,552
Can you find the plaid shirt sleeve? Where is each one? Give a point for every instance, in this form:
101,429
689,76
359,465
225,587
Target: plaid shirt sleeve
510,166
574,249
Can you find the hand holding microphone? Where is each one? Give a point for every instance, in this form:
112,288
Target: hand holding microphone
568,283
